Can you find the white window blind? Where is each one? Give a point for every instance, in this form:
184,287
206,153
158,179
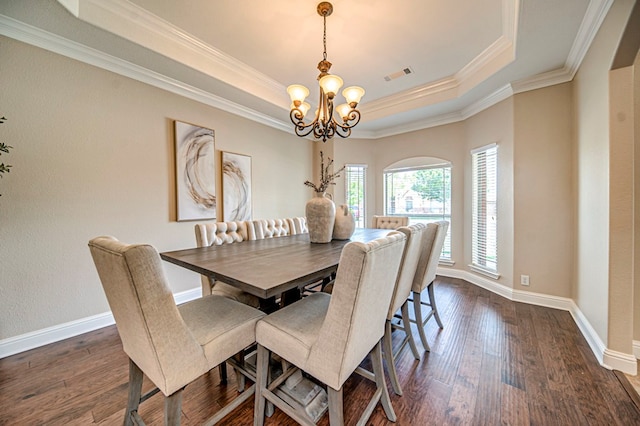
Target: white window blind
355,190
484,227
423,194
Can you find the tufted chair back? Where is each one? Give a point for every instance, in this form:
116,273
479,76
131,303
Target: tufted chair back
218,233
298,225
269,228
390,222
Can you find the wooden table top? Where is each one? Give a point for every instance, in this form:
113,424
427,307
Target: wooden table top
268,267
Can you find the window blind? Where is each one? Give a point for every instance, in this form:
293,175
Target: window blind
355,190
484,227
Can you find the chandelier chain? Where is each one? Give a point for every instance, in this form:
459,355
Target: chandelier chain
324,38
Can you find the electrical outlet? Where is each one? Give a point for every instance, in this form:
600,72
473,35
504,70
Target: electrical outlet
524,279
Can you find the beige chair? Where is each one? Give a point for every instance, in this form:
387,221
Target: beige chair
216,234
328,337
400,301
269,228
390,222
425,275
171,345
298,225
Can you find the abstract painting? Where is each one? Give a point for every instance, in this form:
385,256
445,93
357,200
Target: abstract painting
236,186
195,172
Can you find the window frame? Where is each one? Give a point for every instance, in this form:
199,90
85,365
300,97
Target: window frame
361,216
446,254
484,211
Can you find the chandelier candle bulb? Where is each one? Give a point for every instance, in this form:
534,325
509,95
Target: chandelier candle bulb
298,93
330,84
352,95
344,110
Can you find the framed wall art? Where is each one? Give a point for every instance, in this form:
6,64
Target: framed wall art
236,186
195,172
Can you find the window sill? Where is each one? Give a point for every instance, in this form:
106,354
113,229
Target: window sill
446,262
485,272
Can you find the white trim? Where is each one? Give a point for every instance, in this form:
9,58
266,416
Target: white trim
614,360
35,339
485,272
36,37
483,148
606,357
636,349
446,262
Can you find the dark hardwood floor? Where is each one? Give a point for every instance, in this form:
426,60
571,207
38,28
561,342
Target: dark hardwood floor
495,362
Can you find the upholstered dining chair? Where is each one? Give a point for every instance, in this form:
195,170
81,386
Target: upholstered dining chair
327,336
170,345
390,222
216,234
400,302
425,276
269,228
298,225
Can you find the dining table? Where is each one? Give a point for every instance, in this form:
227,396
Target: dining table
269,267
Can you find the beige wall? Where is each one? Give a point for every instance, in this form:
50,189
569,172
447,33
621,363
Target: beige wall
543,192
494,125
591,174
446,142
94,155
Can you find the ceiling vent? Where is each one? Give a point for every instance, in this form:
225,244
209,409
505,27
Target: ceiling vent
398,74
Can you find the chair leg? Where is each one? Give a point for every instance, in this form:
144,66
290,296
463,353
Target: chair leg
406,324
240,378
262,372
222,369
135,391
173,408
417,309
336,411
432,302
388,357
376,359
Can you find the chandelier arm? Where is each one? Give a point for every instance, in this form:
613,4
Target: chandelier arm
353,115
343,132
301,129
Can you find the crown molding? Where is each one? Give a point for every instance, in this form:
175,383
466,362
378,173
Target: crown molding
140,22
495,57
26,33
593,18
136,24
133,23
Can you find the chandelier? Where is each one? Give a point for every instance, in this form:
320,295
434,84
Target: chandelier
324,126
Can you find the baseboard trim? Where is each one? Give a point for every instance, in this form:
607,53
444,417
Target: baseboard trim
607,358
636,349
610,359
56,333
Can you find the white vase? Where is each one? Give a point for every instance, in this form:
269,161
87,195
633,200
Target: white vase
345,223
321,216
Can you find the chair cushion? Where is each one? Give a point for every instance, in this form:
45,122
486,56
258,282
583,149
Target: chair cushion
291,331
232,331
227,290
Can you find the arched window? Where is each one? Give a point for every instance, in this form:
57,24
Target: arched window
420,188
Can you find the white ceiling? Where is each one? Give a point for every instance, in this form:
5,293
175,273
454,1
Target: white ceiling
240,55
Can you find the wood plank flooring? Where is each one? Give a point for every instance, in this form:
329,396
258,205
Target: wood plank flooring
495,362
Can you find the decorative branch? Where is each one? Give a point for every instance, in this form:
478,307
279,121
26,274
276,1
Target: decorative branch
4,168
326,178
